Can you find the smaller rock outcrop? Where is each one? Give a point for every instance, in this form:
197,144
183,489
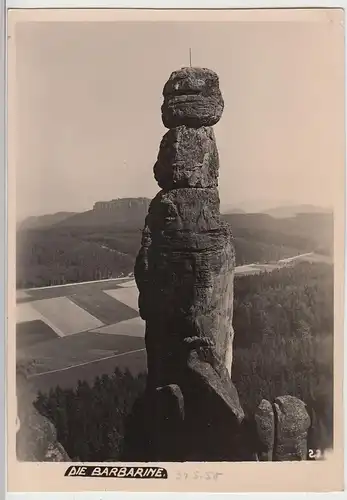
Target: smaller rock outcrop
282,428
292,424
36,439
265,422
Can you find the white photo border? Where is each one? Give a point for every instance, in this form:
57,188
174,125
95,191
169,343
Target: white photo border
125,4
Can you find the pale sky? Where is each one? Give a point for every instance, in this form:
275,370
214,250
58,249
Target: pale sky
89,96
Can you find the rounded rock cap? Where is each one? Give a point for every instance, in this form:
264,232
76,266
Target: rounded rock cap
192,97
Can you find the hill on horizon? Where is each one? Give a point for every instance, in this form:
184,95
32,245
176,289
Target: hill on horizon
132,211
43,221
231,209
293,210
127,212
124,211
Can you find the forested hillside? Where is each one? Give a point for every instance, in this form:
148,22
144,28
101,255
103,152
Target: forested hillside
283,345
284,340
65,253
57,256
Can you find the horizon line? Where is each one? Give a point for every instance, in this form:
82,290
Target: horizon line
233,206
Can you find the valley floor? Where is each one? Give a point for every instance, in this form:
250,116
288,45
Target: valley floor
77,331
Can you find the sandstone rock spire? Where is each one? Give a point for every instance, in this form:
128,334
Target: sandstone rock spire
185,271
185,275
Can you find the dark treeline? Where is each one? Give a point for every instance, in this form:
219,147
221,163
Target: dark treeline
58,254
283,345
90,420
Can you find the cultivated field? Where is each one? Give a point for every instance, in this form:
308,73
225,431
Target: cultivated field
71,332
135,362
32,333
81,348
103,307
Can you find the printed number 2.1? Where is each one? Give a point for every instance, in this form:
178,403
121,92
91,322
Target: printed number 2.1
314,454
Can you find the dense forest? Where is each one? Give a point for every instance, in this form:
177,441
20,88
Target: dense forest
283,344
54,257
90,420
284,341
62,254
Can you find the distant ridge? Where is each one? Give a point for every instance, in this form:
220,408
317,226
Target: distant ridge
42,221
293,210
278,212
229,209
132,212
129,212
121,212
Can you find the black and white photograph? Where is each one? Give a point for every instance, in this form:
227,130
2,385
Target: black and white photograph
177,187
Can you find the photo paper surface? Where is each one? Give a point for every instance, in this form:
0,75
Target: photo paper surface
176,222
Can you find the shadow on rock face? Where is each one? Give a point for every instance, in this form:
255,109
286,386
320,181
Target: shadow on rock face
159,429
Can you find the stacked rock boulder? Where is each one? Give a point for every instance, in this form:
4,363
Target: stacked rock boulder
185,275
